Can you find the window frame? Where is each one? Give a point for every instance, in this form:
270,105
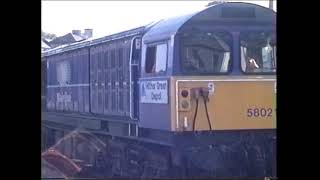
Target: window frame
230,65
240,54
155,63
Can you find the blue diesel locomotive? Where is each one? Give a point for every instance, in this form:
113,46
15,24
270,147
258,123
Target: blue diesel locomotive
191,96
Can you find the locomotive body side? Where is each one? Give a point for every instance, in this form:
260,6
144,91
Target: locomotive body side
92,84
68,82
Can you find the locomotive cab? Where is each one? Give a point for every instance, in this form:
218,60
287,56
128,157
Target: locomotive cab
193,95
211,70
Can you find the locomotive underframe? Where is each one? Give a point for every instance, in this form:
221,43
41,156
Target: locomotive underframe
155,153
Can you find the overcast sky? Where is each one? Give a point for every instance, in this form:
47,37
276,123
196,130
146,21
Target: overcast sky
107,17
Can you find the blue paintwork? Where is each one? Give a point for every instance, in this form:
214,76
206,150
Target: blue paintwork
236,63
242,153
79,75
93,42
208,19
166,28
155,116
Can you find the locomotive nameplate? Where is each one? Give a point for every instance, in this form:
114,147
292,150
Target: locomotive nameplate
154,92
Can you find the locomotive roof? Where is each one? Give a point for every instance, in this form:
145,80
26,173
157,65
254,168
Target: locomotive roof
165,29
168,28
91,42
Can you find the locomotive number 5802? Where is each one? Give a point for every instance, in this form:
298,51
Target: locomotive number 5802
259,112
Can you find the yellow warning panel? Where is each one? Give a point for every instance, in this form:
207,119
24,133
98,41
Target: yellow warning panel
230,104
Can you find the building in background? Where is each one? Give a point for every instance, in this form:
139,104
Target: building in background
72,37
44,45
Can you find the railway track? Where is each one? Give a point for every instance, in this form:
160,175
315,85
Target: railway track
99,153
96,153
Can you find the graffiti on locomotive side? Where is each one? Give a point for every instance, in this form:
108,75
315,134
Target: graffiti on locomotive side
63,97
154,92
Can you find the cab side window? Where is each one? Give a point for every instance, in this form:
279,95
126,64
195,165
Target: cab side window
156,58
258,52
